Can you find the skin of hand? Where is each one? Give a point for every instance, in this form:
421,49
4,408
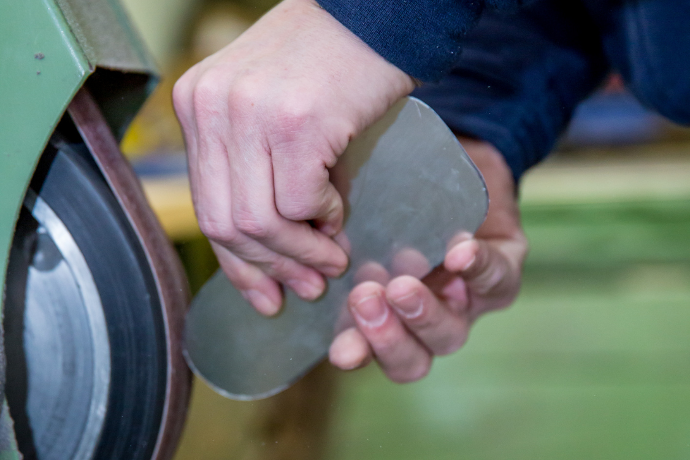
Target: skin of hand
404,322
263,120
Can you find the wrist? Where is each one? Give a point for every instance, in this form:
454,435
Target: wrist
503,217
398,83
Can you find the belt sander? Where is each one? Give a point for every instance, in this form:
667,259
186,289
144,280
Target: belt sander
94,295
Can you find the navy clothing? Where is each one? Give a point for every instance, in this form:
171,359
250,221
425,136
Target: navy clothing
520,76
421,37
648,42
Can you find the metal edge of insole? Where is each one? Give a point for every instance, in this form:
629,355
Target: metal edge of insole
380,129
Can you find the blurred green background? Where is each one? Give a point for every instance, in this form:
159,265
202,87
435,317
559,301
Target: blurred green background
593,361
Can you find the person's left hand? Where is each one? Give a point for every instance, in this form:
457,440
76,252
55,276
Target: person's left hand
404,322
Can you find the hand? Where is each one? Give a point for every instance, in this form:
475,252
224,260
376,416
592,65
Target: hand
403,323
263,120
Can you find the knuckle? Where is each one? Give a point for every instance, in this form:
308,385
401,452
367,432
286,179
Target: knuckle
310,255
243,95
180,94
289,123
218,231
296,211
184,85
204,95
280,266
298,129
252,224
182,101
294,113
307,201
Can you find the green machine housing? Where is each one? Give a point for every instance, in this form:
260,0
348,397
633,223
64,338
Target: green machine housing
50,51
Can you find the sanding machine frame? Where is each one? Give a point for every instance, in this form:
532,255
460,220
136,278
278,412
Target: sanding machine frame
80,59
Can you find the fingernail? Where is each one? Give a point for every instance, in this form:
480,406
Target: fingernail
465,236
460,252
371,311
409,306
343,241
329,229
469,264
261,302
334,270
304,289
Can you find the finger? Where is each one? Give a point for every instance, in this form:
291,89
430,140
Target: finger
254,214
343,241
450,288
411,262
400,356
214,208
484,269
491,280
328,216
303,188
457,239
455,296
440,330
258,288
350,350
371,271
306,282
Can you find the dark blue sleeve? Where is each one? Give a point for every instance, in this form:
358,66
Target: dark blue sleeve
520,78
421,37
648,43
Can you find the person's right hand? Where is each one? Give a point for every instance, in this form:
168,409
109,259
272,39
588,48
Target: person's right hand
404,322
263,120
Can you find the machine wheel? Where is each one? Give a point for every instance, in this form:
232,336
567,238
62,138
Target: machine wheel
85,337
